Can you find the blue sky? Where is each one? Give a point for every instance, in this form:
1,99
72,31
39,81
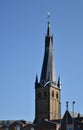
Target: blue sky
23,26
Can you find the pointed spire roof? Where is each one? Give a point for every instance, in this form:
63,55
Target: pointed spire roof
36,80
48,70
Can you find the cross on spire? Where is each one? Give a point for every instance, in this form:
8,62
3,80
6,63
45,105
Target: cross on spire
49,16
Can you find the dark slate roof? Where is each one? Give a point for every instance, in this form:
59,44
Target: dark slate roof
6,122
75,114
48,70
10,122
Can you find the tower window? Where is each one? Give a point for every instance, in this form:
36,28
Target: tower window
39,95
52,93
57,95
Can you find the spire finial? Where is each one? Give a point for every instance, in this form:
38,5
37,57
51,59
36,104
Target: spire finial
48,31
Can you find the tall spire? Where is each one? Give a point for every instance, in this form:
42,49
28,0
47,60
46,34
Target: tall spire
48,70
47,87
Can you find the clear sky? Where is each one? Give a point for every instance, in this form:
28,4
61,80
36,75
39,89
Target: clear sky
23,26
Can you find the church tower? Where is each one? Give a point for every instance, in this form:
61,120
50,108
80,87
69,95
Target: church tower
47,90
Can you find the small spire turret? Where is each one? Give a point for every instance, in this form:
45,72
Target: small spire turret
36,80
59,82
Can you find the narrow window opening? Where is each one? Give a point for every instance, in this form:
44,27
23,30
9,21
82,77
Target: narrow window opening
52,93
57,95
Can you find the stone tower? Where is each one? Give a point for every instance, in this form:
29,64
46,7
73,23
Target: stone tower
47,90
